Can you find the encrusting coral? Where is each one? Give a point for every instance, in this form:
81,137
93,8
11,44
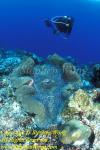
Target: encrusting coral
80,104
70,73
23,83
50,94
25,68
82,110
56,59
47,83
24,95
20,81
96,75
67,90
75,132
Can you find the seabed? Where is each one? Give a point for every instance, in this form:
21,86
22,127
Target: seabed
48,103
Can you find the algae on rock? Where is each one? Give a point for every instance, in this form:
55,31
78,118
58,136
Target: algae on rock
75,132
70,73
56,59
24,95
81,101
17,82
67,90
25,68
80,104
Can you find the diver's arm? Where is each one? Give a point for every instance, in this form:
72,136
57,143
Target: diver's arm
48,23
57,18
67,25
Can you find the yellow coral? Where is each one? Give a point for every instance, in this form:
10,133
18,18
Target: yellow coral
81,101
74,131
69,113
80,104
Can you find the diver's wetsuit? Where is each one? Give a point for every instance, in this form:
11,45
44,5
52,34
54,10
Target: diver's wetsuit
60,25
63,24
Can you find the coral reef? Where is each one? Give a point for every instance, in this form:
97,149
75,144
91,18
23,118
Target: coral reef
70,73
47,83
67,90
56,59
25,68
49,94
96,76
8,64
20,81
24,95
75,132
80,105
82,102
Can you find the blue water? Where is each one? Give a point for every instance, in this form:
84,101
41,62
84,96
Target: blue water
22,26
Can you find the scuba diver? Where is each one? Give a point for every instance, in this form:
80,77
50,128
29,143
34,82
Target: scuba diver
60,25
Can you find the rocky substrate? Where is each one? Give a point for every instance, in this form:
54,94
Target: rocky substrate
49,94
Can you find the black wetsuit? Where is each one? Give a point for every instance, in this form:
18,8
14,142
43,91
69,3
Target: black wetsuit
63,24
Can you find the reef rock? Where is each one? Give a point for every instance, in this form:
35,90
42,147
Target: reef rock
67,90
20,81
24,95
75,132
81,101
33,106
48,83
25,90
37,59
8,64
96,75
70,73
56,59
25,68
80,105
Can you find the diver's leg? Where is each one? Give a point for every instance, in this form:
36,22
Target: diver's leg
48,23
